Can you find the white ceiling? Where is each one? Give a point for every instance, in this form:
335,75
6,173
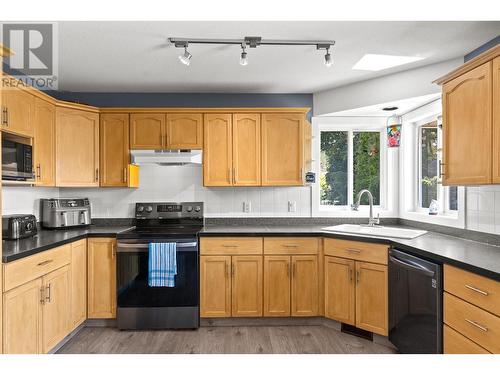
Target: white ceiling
404,106
135,56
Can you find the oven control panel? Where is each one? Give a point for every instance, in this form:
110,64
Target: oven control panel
168,210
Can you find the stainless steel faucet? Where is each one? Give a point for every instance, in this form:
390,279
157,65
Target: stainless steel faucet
355,206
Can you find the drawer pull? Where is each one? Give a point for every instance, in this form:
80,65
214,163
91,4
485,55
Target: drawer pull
290,245
45,262
357,251
476,290
482,328
229,245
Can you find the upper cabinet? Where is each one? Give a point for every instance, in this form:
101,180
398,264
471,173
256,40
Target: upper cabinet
282,149
114,149
471,129
77,147
17,111
147,131
217,159
184,131
246,149
44,148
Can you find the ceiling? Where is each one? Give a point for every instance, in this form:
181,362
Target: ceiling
136,57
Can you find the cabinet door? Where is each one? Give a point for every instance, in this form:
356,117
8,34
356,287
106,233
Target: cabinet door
246,285
340,290
282,149
467,128
184,131
20,108
215,288
371,297
147,131
304,285
217,150
22,319
56,309
101,278
277,285
78,289
114,149
496,120
44,143
246,150
77,148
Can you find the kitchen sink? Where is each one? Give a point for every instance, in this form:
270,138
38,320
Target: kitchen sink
377,231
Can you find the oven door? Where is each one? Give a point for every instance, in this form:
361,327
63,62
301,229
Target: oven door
140,306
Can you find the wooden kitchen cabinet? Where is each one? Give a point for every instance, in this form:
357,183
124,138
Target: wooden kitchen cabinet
44,148
282,149
277,275
56,308
101,255
147,131
217,148
304,291
22,319
114,149
215,291
19,111
78,275
340,290
372,297
496,120
77,148
246,286
246,153
184,131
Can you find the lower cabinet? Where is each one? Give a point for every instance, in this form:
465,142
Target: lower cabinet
340,290
215,291
78,307
101,265
246,285
277,275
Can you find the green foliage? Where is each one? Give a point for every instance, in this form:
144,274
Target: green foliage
366,164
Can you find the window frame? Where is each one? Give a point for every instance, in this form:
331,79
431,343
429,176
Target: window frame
349,125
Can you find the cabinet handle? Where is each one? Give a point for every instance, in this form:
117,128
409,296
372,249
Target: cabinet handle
357,251
45,262
294,269
229,245
125,174
440,169
234,176
476,290
5,113
302,175
357,277
227,271
42,297
233,270
288,270
113,250
48,297
477,325
38,173
350,274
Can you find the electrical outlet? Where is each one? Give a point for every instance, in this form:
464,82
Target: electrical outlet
292,206
247,207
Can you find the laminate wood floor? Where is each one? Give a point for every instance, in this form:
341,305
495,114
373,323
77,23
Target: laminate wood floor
222,340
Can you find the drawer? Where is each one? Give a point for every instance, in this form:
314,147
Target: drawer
291,245
364,251
478,290
231,246
30,268
455,343
472,322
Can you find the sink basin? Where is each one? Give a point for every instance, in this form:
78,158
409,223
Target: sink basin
377,231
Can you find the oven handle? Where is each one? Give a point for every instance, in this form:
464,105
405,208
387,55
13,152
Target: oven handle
144,247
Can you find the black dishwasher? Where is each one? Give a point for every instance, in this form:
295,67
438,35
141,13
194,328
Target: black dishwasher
415,304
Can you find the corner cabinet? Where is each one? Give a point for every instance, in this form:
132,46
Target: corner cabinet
77,148
471,127
114,149
282,149
44,143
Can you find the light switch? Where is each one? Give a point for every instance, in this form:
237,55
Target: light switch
247,207
292,206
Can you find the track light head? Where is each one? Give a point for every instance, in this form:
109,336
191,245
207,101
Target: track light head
185,58
243,58
328,59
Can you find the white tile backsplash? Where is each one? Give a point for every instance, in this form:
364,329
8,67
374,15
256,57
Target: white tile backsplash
483,208
25,199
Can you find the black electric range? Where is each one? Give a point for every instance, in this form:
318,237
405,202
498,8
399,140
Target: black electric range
140,306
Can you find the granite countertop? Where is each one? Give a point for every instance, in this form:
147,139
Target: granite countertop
474,256
46,239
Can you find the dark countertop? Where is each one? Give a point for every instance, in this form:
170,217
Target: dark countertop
46,239
474,256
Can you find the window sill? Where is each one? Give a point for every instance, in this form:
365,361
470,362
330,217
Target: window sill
440,219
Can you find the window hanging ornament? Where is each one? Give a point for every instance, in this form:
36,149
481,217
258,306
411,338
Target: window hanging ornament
394,131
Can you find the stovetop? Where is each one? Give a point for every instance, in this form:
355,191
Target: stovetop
147,232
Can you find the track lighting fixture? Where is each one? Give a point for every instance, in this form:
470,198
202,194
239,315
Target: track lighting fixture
243,58
185,58
252,42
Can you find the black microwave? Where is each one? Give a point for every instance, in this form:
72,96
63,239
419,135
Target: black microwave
17,161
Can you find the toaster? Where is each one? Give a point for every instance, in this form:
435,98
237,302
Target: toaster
65,212
18,226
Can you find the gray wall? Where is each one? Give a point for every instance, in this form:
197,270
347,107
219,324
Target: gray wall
486,46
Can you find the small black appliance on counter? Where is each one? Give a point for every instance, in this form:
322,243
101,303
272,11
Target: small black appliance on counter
15,227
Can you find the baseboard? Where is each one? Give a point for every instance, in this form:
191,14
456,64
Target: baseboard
100,323
67,338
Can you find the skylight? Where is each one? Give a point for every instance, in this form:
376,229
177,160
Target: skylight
376,62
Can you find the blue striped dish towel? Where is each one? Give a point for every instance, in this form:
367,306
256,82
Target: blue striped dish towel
162,265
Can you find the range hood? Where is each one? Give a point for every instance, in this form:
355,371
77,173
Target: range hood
166,157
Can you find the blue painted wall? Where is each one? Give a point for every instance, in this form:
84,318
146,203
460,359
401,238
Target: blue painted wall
492,43
100,99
